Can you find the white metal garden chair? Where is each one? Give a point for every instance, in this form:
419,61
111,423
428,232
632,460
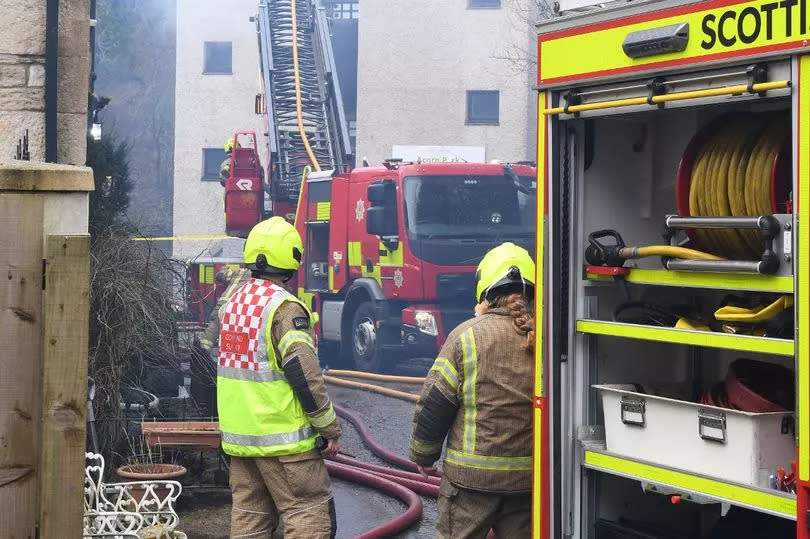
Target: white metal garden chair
136,509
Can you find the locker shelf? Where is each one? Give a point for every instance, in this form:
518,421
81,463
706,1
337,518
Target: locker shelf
776,503
690,279
745,343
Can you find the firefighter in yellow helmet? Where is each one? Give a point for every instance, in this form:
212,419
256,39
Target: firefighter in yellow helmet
478,395
225,166
274,410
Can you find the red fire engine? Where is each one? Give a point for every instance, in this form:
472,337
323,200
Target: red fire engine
390,251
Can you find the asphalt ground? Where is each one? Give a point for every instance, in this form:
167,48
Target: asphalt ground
206,514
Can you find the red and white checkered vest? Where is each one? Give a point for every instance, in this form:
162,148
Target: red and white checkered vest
259,414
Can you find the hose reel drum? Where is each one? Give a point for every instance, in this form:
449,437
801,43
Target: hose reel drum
738,165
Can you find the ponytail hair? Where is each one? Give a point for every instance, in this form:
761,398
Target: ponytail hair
522,315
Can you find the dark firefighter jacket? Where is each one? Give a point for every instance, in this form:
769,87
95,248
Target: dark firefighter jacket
479,395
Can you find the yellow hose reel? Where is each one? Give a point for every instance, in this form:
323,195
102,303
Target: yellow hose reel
738,165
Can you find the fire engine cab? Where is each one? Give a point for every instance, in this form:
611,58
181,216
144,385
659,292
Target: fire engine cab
673,374
390,251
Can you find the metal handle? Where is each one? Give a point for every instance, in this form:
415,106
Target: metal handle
761,222
712,426
633,411
735,266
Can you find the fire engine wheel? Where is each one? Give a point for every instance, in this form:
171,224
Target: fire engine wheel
364,346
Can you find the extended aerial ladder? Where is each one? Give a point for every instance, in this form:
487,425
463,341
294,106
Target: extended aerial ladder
301,98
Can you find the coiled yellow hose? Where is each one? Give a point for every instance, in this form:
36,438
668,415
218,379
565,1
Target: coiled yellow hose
732,176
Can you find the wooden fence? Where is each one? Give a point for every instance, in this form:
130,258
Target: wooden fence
44,305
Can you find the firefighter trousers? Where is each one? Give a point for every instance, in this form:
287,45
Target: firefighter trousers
466,513
294,489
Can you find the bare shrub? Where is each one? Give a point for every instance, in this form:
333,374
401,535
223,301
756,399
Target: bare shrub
136,292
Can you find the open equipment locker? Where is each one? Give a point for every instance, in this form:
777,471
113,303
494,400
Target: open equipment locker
614,122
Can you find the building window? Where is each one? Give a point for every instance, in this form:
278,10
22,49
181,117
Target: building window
212,159
483,107
218,60
344,10
483,4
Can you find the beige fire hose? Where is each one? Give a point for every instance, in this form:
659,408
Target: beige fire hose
370,387
378,377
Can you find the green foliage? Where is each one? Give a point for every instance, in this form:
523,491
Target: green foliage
109,159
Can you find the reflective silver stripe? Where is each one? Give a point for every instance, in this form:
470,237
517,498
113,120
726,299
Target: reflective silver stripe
282,438
249,374
292,337
489,463
324,419
470,374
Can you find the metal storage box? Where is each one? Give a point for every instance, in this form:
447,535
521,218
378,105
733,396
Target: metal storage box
727,444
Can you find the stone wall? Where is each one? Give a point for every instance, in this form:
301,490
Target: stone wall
22,79
74,77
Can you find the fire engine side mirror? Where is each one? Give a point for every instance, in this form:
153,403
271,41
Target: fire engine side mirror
381,217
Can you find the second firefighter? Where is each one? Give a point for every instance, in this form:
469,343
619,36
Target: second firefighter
478,395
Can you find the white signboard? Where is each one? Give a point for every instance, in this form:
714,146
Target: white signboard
439,154
568,5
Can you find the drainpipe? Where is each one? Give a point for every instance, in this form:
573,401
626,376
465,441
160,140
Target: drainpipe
51,77
91,111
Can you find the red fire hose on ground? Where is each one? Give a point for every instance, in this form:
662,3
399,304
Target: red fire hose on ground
402,522
410,486
419,487
349,461
400,484
372,444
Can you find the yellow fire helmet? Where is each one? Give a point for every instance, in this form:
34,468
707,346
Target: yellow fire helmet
228,145
506,264
273,246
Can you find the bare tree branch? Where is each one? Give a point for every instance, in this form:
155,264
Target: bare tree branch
133,286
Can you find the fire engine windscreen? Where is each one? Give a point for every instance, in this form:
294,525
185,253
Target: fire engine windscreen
476,210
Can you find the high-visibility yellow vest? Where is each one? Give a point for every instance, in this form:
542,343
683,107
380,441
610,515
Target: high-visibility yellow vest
259,414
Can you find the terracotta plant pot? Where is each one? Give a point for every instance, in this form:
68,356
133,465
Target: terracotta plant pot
150,472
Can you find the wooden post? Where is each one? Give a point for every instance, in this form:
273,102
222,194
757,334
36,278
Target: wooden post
21,223
64,385
43,384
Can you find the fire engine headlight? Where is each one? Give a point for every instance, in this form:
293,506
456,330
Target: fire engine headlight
426,323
